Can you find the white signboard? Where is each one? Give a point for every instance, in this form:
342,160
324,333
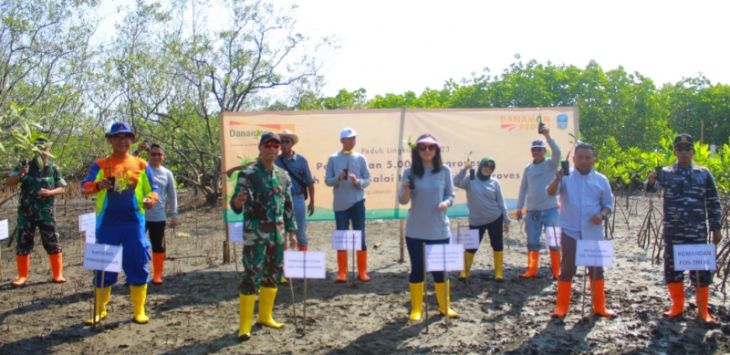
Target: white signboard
444,257
597,253
304,265
4,229
467,237
347,240
552,236
87,221
102,257
235,232
695,257
90,236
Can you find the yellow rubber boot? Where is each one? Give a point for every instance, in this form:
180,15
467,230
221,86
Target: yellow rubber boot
23,263
103,296
468,260
562,302
416,300
443,296
676,292
245,316
266,308
703,297
498,266
599,300
138,296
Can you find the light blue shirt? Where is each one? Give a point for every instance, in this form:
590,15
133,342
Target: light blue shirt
166,193
346,195
484,199
581,198
425,220
535,179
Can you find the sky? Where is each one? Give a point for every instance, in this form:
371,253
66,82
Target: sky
393,46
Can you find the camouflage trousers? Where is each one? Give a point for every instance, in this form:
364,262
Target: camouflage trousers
701,278
27,224
262,262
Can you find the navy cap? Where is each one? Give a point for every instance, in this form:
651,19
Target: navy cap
119,128
269,136
683,138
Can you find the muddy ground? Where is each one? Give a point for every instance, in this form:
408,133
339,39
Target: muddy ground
196,310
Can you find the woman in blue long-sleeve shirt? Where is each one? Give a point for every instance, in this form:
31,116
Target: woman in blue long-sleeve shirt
428,186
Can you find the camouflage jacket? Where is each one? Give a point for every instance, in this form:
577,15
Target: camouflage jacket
268,210
690,198
47,178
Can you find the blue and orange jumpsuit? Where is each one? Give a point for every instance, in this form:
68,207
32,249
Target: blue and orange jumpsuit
120,214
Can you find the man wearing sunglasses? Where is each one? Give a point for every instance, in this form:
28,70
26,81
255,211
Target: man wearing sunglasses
348,174
690,203
157,215
124,189
263,195
302,184
542,210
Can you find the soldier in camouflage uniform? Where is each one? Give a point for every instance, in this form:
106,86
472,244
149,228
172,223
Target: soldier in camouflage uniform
263,194
40,181
690,201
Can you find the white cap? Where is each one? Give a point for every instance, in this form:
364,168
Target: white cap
347,132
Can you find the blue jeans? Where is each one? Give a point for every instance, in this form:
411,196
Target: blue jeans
355,215
535,222
300,213
418,264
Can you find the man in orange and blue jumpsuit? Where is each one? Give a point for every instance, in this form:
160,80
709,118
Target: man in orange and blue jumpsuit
124,188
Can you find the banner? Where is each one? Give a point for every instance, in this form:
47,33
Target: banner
382,136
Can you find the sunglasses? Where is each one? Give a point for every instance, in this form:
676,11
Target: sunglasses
537,149
155,154
285,141
272,145
489,166
430,147
683,148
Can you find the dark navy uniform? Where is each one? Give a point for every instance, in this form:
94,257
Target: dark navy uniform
690,202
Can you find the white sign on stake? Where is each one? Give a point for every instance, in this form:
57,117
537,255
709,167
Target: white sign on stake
87,221
300,265
465,236
444,257
235,232
552,235
695,257
90,236
4,229
597,253
102,257
347,240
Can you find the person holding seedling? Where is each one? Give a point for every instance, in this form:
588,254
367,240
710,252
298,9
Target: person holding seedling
542,210
124,189
690,204
348,174
40,181
487,212
263,194
428,186
585,203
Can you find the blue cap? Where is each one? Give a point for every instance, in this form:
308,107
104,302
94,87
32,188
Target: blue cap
119,128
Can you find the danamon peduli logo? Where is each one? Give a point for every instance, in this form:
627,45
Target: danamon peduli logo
522,122
257,130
